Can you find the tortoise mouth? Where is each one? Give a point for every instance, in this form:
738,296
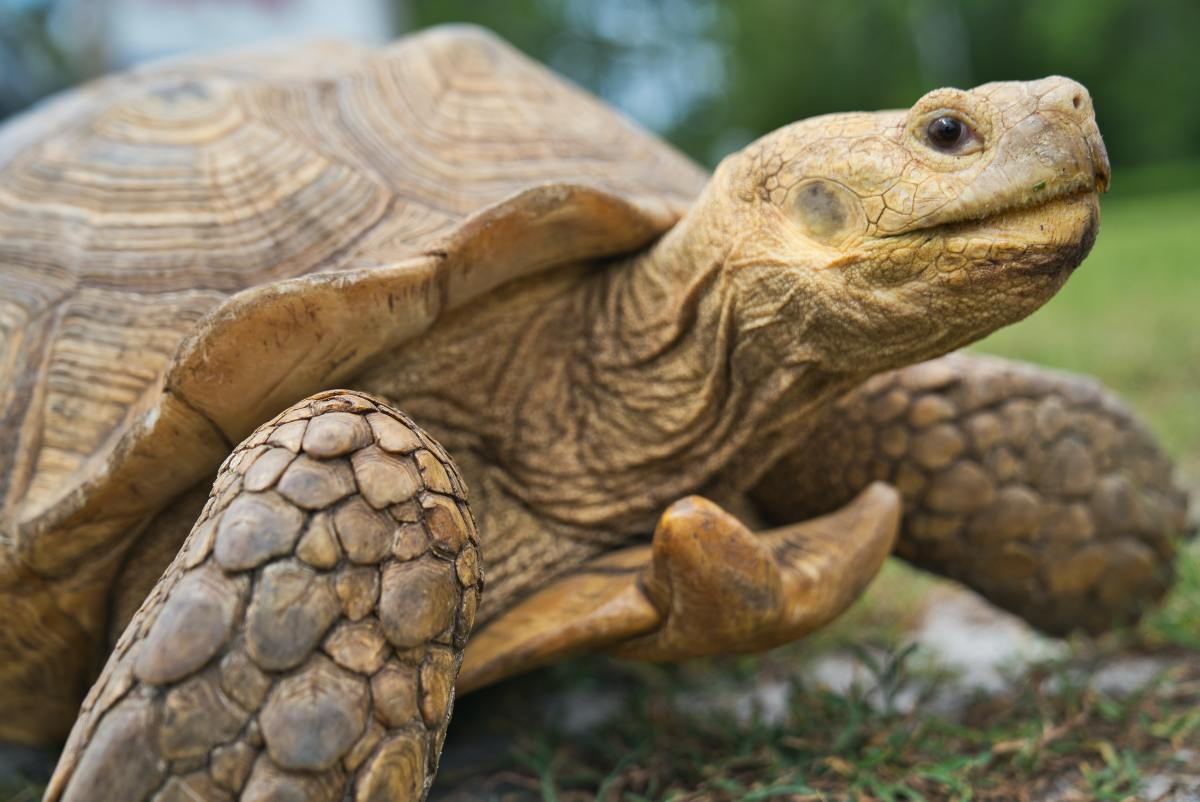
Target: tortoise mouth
1076,220
1062,220
1064,224
1048,200
1047,239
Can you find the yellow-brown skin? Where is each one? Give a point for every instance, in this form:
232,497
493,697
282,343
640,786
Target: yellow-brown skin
693,367
822,254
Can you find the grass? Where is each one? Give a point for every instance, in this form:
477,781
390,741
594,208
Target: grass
687,733
1130,316
839,746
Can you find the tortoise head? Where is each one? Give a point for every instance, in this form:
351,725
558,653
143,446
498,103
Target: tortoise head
904,234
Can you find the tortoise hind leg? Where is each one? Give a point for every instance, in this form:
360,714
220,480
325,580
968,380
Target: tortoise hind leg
1036,488
705,585
305,640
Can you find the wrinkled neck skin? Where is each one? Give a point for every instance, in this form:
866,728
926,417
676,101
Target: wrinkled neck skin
697,368
596,395
582,401
707,358
716,347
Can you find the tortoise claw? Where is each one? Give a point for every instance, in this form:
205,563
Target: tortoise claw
722,588
706,585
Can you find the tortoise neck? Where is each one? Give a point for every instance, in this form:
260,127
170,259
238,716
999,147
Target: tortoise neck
685,368
662,303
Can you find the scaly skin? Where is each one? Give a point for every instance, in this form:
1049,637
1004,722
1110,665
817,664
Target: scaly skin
307,636
1036,488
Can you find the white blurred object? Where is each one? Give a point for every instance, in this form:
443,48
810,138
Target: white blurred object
138,30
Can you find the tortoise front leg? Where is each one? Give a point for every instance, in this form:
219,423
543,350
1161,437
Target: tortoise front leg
1037,488
306,639
705,585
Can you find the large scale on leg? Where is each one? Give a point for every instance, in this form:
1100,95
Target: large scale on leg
309,631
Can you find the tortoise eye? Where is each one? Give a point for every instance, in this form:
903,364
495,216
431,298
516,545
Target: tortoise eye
947,133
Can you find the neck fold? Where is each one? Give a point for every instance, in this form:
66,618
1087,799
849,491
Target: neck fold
678,369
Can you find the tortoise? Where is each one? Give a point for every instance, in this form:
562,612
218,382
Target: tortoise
695,413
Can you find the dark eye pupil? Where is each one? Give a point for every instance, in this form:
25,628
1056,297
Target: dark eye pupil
945,132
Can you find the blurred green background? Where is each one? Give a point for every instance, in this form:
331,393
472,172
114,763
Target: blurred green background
725,72
710,75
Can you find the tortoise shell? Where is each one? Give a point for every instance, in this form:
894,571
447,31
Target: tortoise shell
188,248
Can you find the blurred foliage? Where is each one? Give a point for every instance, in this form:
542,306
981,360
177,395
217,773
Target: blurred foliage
782,60
32,61
712,74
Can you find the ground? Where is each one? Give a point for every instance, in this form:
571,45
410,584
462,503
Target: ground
923,691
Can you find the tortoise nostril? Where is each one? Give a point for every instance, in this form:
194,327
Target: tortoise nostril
1077,101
